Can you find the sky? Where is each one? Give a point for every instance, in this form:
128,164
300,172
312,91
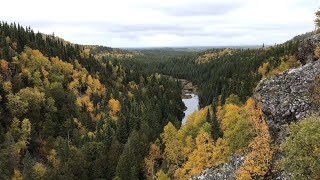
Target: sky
165,23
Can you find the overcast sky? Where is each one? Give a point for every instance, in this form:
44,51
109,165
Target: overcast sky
148,23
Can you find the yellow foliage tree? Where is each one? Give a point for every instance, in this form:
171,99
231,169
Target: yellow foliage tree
89,80
85,53
33,59
39,170
206,154
21,132
74,85
173,147
162,176
85,101
188,149
150,161
237,128
263,69
257,162
91,135
4,66
16,175
64,67
25,130
90,106
15,128
221,151
53,159
199,159
32,96
114,106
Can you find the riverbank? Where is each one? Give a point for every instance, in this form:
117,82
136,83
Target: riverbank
189,96
188,88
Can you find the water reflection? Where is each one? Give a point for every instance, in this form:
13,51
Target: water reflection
192,105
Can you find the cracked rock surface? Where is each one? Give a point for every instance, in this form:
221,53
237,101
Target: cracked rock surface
286,97
225,171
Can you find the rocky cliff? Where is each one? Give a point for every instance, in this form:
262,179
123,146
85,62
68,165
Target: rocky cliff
289,96
306,49
286,97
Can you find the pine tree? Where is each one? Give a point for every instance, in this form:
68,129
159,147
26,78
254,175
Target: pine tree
130,164
317,20
216,130
28,167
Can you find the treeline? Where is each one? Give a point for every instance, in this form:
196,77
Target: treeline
14,38
238,73
222,72
66,115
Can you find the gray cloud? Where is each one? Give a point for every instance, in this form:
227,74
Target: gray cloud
201,9
201,22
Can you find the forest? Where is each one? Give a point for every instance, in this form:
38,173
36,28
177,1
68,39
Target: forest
70,111
66,114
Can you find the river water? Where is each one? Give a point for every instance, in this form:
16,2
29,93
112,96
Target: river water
192,105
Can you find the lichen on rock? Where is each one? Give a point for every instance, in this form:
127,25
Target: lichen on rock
307,47
286,97
223,171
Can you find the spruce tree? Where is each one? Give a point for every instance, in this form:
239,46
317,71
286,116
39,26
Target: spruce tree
27,167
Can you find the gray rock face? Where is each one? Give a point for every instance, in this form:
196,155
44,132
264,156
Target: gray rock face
306,49
286,97
224,171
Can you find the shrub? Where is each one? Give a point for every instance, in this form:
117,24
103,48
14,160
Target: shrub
302,149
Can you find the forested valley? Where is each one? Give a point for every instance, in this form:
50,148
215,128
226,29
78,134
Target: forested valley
66,114
70,111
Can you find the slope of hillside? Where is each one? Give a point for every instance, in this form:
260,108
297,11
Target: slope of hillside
66,115
287,97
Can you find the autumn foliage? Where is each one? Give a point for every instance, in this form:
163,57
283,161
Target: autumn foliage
70,111
114,106
257,161
190,150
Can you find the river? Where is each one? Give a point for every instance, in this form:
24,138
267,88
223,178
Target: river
189,96
192,105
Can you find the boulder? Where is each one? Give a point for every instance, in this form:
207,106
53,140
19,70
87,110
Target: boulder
225,171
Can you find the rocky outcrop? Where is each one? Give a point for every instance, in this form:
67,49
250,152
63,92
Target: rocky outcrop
224,171
306,49
286,97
